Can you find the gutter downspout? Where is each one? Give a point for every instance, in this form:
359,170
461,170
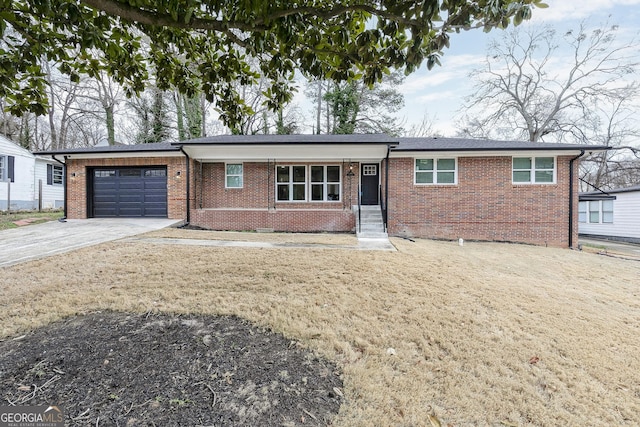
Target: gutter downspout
188,187
64,187
571,197
386,189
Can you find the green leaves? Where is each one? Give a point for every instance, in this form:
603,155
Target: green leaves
203,45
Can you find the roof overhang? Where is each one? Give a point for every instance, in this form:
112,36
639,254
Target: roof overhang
115,155
286,152
491,153
594,197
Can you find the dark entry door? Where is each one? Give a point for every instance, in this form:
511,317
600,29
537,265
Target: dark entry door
370,180
129,192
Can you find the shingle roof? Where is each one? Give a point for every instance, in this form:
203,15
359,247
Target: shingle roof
615,190
466,144
292,139
398,144
156,146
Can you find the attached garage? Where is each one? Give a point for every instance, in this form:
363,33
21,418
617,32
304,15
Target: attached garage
127,192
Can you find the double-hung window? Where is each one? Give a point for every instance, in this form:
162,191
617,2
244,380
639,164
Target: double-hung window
291,183
233,175
534,170
7,168
435,171
596,212
325,183
54,174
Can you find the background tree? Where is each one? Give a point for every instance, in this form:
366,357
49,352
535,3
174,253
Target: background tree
353,107
590,100
202,46
520,96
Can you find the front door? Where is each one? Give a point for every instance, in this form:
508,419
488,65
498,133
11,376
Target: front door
370,181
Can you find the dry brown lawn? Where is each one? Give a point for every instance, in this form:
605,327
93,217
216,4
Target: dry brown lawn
484,334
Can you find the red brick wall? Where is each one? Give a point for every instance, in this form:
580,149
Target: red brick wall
254,206
77,185
484,205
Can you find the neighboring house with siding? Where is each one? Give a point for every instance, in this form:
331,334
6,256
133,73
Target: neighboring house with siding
442,188
613,215
28,182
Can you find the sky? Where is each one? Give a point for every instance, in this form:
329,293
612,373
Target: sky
440,93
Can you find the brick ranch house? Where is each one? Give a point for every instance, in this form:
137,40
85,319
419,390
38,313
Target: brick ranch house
441,188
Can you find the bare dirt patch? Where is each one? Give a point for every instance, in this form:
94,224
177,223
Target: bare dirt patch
484,334
118,369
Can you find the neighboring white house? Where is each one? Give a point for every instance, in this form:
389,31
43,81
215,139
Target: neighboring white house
613,215
28,182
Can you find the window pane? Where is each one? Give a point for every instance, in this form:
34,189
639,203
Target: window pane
521,176
594,211
130,172
424,164
544,176
234,181
317,173
544,162
234,169
424,177
446,177
521,163
283,192
333,173
299,174
298,192
333,191
317,191
283,173
607,211
582,217
446,164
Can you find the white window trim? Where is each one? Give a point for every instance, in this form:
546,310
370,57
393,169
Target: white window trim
324,183
226,175
533,169
435,171
601,212
291,183
3,170
60,175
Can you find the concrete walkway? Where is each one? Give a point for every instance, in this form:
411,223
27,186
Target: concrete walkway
622,248
363,244
40,240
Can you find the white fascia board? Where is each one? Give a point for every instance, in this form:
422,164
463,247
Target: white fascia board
514,153
119,155
287,152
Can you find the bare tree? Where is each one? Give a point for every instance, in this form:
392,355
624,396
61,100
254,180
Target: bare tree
527,90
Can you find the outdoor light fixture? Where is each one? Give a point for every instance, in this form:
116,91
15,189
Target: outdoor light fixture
350,170
178,174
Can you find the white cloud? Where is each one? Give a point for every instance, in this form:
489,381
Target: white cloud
563,10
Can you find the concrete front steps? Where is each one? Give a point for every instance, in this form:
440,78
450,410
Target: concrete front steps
371,223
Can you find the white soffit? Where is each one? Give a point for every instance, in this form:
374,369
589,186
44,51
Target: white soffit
297,152
503,153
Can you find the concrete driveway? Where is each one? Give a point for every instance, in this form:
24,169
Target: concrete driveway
40,240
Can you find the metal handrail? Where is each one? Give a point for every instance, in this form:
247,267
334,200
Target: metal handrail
383,208
359,208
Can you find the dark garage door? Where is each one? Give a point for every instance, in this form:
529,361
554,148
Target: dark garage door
129,192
